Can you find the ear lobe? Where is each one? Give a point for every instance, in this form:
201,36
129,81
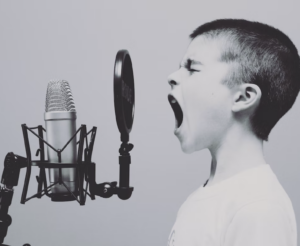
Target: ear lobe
246,97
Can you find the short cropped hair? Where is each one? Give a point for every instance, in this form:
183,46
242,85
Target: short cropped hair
261,55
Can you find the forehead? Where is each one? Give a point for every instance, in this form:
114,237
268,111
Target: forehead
204,49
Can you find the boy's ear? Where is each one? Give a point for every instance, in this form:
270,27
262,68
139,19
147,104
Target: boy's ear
246,97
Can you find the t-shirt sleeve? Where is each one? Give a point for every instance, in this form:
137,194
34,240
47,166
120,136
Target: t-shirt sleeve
260,224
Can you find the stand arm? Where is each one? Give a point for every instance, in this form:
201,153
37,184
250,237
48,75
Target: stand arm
5,220
10,176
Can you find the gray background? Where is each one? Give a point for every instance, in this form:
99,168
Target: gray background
77,41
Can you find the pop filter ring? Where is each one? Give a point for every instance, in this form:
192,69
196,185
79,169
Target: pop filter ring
124,95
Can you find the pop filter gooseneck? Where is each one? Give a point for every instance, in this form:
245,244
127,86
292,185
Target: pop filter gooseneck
124,109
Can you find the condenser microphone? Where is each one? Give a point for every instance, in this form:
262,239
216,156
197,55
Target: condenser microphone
60,120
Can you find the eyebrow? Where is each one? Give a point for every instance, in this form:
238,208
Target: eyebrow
189,62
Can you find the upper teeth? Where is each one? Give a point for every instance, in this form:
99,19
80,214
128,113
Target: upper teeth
173,100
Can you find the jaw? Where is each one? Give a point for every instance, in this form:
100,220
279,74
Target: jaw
180,131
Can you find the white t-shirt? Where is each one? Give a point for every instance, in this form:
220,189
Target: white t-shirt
249,209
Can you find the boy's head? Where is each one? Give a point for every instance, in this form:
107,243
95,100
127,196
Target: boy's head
230,61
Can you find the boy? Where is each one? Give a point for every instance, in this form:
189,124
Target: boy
236,80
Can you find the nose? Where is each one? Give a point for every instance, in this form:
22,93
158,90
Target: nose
172,81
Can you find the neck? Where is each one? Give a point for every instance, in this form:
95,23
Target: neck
234,154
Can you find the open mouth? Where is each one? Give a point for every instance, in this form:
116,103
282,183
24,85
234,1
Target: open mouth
177,110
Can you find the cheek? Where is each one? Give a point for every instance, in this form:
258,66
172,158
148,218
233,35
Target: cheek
203,100
208,109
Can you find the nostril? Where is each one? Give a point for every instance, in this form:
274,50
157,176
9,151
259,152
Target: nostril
172,82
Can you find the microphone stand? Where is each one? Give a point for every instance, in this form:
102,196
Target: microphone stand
86,170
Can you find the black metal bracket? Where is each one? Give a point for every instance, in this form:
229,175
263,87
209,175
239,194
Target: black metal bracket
85,169
108,189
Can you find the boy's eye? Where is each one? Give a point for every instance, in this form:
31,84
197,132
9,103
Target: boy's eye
192,70
188,64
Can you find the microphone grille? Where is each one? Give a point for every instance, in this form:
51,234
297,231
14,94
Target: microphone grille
59,97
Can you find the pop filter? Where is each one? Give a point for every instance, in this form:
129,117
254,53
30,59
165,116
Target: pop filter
124,93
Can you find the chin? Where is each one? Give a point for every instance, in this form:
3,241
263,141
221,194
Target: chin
187,148
190,147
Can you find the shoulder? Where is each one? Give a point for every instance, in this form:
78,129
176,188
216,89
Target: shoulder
260,188
261,223
263,211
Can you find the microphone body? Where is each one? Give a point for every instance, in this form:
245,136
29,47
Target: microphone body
60,127
60,119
